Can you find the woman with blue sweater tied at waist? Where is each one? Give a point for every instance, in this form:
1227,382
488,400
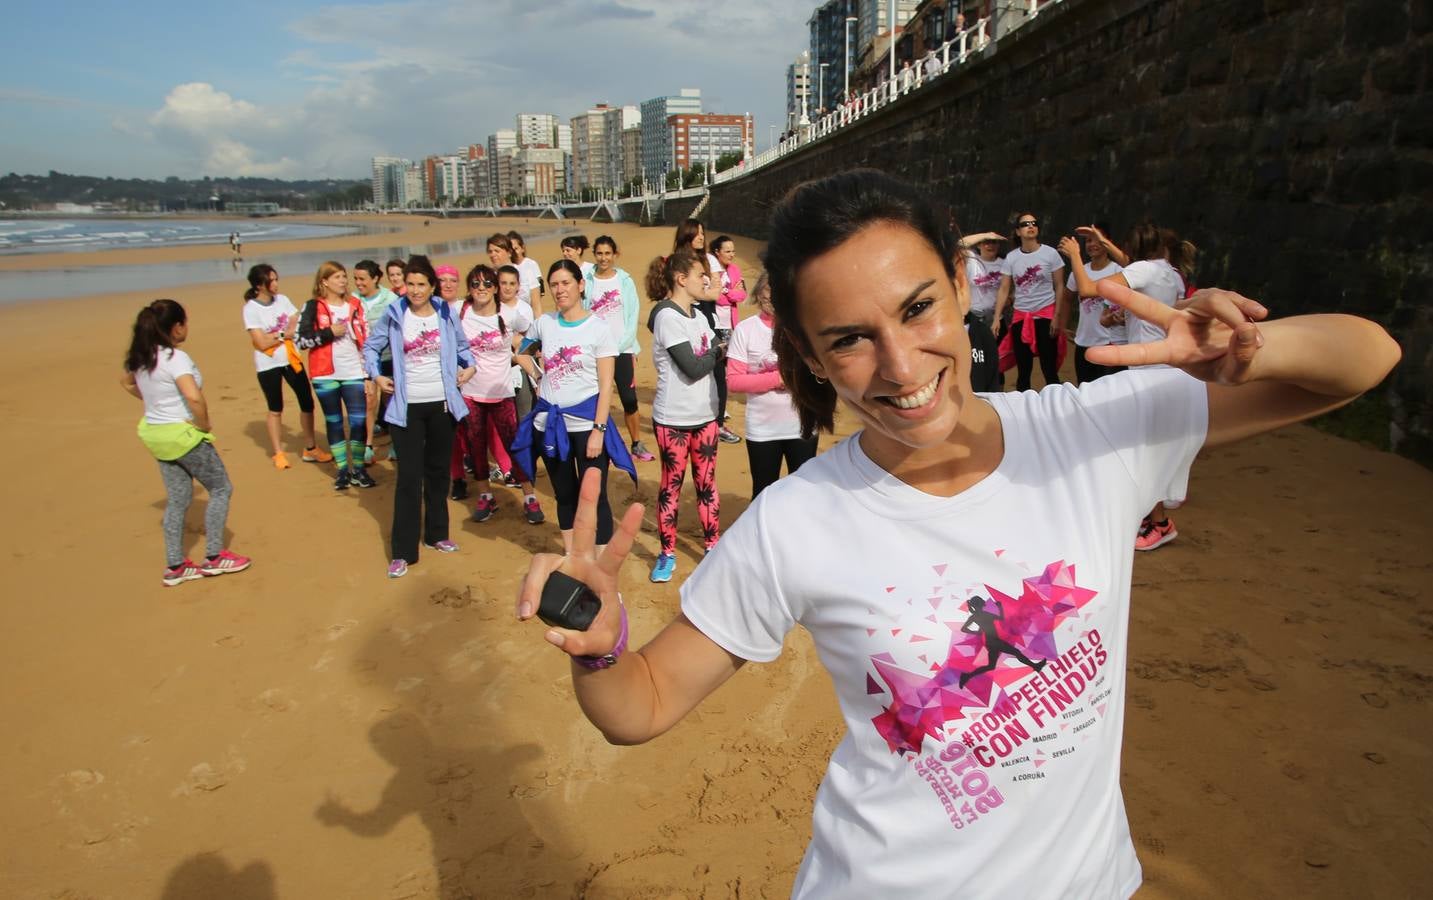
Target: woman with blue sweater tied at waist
570,426
430,361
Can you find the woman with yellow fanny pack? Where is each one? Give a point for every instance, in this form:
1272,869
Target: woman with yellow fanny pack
175,428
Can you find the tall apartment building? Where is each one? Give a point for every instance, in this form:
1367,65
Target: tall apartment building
705,137
540,171
798,89
388,181
589,148
631,154
657,150
476,155
451,179
501,144
537,130
829,45
415,192
618,121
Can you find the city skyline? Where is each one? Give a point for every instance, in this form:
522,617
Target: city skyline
310,90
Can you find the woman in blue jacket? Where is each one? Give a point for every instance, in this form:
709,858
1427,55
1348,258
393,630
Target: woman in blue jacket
430,361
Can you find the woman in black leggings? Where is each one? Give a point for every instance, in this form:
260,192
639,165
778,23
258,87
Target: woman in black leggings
1034,275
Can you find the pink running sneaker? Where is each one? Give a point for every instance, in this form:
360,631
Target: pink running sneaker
1153,535
641,453
533,510
398,568
225,563
185,571
443,547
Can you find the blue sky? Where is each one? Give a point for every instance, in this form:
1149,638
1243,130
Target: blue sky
301,89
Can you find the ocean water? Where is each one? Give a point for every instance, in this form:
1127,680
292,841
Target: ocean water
47,235
169,279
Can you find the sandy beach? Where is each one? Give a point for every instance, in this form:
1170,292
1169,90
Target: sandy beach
311,729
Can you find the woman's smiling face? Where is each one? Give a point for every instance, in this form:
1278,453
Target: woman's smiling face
885,324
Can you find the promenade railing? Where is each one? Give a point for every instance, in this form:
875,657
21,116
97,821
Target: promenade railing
973,40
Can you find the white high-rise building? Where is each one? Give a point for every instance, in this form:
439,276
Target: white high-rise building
453,179
413,193
875,19
387,180
589,149
501,144
537,130
657,149
798,89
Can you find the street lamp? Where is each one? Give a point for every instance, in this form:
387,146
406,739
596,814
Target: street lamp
821,91
846,89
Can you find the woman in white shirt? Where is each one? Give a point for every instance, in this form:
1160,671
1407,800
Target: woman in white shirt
332,327
272,321
175,428
1034,275
684,409
950,528
1091,329
773,427
529,270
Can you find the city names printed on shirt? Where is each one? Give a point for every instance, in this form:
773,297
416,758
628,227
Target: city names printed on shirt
1022,685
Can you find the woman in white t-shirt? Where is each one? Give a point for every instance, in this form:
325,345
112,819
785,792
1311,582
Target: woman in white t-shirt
612,297
983,273
272,321
431,362
529,270
1154,257
518,315
1091,330
574,247
684,409
951,518
570,426
773,428
333,329
692,235
1034,275
489,395
175,428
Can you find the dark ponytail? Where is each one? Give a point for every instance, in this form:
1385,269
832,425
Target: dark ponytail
662,273
151,333
258,278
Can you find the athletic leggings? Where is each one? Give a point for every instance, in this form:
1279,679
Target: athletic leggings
765,458
624,375
476,433
201,464
420,498
1048,349
271,382
566,477
674,447
335,397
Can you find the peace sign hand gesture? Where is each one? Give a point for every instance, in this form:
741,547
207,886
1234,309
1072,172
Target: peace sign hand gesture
1214,337
597,570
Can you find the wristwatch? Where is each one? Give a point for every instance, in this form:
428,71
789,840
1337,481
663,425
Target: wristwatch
600,426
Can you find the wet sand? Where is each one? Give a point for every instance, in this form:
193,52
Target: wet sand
311,729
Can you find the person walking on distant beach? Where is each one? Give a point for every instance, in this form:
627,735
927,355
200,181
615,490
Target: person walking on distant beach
941,495
272,322
176,430
612,297
773,427
431,363
333,329
684,410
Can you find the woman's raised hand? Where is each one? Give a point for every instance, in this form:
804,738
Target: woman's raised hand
1214,337
598,570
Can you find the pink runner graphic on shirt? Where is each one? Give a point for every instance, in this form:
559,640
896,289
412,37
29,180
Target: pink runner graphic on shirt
608,303
1029,276
562,365
424,345
281,324
987,280
488,342
1003,674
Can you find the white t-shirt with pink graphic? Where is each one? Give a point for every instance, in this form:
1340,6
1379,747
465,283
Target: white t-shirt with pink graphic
491,346
1089,332
977,643
679,401
347,359
606,304
770,415
984,278
271,318
1032,274
569,364
422,360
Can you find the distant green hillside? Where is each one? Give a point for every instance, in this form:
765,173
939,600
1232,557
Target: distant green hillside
22,192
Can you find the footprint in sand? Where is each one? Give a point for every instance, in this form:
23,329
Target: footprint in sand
339,629
205,778
82,779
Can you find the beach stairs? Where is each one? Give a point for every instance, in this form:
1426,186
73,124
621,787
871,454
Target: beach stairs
701,207
553,210
606,211
652,212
